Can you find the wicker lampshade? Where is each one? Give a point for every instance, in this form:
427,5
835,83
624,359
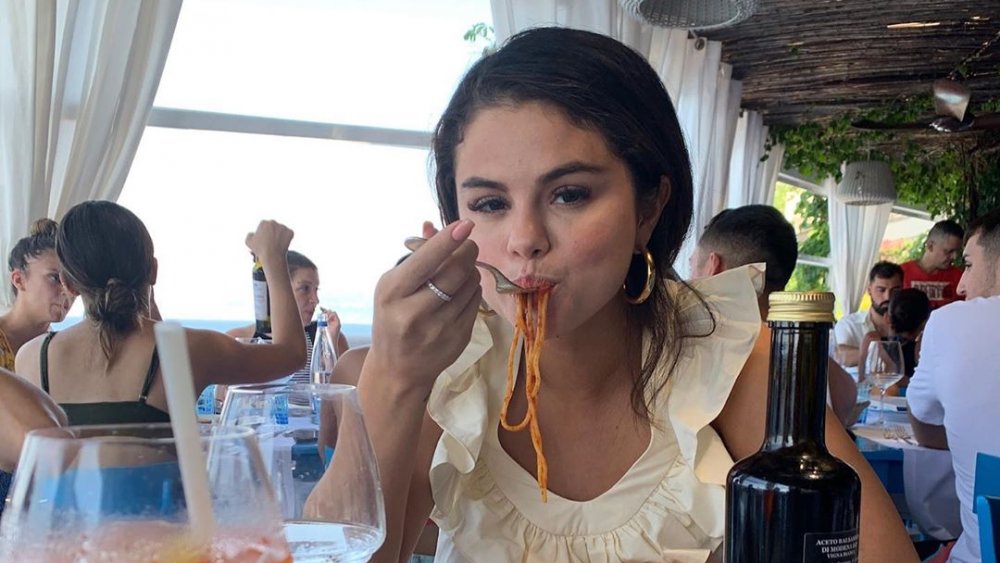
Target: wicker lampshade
690,14
868,182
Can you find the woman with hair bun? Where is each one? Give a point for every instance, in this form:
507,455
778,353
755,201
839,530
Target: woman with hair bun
39,299
39,295
105,369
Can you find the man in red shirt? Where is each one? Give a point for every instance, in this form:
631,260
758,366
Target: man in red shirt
935,273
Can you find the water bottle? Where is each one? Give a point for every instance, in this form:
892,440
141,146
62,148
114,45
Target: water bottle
280,408
323,355
205,406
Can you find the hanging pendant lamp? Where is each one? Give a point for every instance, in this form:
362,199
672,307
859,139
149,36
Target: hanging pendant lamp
700,15
867,182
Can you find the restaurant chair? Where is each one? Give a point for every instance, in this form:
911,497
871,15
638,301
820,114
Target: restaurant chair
987,476
988,509
987,505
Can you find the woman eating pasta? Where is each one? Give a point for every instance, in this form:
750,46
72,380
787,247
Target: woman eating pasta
594,419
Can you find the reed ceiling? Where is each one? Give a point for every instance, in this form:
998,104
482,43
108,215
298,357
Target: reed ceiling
808,60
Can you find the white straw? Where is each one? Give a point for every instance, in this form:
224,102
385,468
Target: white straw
171,344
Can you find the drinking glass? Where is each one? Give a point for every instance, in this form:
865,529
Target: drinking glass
883,367
334,515
114,493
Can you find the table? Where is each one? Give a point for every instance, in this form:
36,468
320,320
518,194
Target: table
294,465
921,480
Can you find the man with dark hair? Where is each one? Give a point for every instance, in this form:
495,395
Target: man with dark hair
935,273
747,235
850,331
953,393
760,234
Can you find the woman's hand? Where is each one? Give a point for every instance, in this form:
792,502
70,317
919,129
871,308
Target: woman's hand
417,333
270,241
333,324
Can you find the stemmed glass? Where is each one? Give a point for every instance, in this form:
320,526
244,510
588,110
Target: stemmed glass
321,464
114,493
883,365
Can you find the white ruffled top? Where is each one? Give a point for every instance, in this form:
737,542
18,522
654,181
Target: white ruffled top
668,507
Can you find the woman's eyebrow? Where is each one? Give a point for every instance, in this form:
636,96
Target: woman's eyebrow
573,167
480,182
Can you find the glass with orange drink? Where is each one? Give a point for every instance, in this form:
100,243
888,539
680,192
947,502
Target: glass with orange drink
114,493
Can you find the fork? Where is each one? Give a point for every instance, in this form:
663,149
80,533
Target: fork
504,285
897,432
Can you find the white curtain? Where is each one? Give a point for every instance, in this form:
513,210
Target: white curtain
856,233
708,108
77,82
700,85
752,181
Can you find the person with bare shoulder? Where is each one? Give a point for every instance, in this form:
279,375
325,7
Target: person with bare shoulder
39,296
23,408
594,418
105,369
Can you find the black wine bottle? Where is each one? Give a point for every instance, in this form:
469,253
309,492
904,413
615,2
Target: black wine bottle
261,302
793,501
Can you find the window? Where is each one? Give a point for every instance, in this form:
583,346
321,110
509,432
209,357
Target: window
805,206
391,63
199,193
807,212
388,67
904,236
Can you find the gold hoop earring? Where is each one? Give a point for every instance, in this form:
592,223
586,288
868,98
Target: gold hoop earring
647,288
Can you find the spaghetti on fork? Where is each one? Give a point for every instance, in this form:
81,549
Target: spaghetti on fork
529,324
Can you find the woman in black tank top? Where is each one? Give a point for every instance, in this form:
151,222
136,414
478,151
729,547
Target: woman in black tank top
105,369
117,412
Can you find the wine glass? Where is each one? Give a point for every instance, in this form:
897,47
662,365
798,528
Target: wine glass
331,515
883,364
114,493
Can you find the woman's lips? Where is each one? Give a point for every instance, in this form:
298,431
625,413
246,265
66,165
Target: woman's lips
534,282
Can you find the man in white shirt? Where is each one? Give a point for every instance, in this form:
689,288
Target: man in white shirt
953,394
850,330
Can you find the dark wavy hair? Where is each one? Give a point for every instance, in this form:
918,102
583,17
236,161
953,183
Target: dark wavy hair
909,309
107,257
41,238
885,270
602,86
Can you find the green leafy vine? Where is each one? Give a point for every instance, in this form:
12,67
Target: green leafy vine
934,175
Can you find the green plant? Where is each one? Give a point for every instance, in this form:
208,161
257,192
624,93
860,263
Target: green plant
813,211
808,214
481,33
936,176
